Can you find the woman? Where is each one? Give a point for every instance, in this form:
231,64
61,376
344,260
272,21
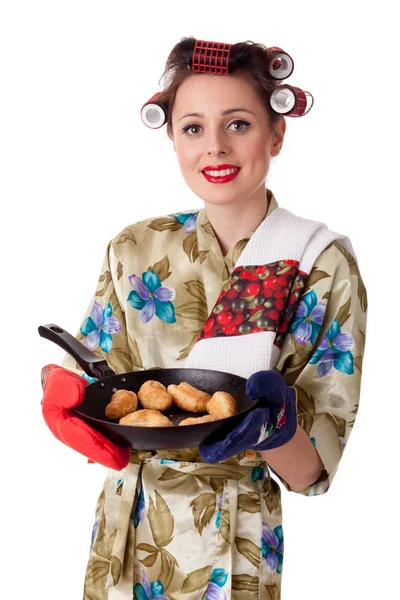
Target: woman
240,286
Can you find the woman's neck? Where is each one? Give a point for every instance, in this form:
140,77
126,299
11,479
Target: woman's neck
232,222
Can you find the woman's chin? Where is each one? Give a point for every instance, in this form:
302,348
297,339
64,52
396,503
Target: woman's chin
219,194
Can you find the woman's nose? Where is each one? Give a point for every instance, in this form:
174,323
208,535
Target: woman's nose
217,143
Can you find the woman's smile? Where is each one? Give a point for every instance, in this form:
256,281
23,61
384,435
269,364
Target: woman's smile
221,176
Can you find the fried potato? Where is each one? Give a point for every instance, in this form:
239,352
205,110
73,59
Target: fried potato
222,405
149,386
146,418
188,397
122,403
154,395
198,420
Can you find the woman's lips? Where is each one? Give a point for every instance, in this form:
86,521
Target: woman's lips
225,179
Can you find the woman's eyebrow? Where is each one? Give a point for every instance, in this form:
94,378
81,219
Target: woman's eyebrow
224,112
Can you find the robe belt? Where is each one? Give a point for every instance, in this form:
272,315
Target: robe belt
229,473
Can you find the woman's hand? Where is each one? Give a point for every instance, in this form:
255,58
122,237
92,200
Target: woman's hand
270,425
63,390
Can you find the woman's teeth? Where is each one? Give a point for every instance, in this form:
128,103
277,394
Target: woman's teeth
221,173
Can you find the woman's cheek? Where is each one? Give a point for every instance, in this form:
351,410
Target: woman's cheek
187,158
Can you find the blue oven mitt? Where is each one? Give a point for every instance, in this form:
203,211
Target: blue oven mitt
270,425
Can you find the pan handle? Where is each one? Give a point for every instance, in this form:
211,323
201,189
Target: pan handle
93,365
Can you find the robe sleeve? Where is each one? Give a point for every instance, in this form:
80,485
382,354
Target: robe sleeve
322,357
103,327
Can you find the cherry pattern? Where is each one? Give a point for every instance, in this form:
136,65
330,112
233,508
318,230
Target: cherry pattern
259,298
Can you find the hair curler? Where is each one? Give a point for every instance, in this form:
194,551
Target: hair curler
153,113
211,57
291,101
281,65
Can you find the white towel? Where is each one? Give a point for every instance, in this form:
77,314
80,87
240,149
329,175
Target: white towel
282,236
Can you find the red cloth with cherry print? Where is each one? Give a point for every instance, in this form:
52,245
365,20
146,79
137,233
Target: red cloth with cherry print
260,298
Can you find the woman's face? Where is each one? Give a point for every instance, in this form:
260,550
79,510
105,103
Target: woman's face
210,138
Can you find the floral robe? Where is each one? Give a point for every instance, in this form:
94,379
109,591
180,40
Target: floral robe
169,525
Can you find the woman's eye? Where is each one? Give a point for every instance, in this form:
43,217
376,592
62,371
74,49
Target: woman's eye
188,128
239,122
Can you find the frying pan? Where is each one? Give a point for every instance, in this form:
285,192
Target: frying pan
98,395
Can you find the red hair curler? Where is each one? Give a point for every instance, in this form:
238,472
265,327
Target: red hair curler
291,101
281,64
153,113
211,57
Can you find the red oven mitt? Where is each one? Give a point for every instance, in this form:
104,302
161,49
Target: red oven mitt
63,390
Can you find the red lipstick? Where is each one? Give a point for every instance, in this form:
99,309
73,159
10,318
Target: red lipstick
219,167
219,179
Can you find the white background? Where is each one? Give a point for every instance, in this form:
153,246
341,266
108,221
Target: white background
77,165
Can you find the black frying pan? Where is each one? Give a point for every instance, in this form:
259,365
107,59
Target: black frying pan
98,395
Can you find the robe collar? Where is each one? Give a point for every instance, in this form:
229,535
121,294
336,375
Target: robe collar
215,267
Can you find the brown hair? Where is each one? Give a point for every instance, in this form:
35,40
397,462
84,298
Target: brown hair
248,58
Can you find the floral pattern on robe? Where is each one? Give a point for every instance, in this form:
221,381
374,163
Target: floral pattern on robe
169,525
